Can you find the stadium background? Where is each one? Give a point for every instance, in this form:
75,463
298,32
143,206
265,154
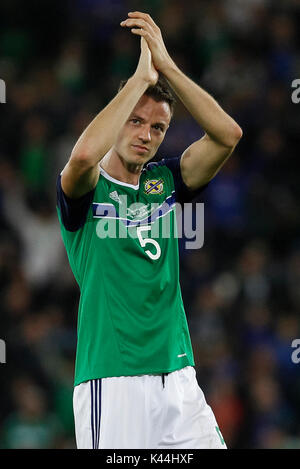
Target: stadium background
62,62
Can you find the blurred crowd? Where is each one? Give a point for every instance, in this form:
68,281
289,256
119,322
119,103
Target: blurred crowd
62,62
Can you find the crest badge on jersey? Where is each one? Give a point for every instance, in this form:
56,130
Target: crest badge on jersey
154,186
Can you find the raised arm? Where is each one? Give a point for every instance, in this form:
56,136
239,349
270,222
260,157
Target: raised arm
203,159
81,173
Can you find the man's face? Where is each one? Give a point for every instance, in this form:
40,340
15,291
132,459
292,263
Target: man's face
144,131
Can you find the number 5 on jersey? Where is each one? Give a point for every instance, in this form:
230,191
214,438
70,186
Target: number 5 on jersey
145,241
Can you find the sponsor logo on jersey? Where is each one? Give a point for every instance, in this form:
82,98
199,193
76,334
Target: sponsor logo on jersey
154,186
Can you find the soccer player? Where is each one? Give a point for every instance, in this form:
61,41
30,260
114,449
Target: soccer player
135,382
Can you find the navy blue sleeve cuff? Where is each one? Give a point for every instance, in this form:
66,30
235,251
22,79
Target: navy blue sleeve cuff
73,211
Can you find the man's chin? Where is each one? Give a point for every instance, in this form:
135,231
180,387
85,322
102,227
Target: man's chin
135,158
139,157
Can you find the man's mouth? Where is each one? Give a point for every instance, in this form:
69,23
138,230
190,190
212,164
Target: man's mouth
140,148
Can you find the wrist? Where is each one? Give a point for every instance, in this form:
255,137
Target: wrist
142,82
168,67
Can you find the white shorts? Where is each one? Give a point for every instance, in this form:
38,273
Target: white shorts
143,412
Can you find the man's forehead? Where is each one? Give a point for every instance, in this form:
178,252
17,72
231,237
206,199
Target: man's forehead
148,108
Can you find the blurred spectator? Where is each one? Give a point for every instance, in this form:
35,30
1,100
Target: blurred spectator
34,158
32,425
225,198
228,408
270,410
70,67
252,270
37,227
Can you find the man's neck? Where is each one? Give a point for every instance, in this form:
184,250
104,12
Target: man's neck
114,165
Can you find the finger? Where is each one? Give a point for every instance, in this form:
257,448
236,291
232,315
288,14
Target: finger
141,32
137,22
144,34
141,26
144,16
144,44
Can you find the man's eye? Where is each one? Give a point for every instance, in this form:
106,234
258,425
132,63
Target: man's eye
158,127
135,121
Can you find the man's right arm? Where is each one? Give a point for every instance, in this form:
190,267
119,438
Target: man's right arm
81,173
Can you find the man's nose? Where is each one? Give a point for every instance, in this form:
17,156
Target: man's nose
145,134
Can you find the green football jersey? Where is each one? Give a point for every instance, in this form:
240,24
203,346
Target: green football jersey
123,250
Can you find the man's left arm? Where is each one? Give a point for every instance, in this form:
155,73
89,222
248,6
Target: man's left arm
201,161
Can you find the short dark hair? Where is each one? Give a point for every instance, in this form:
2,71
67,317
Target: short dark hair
159,92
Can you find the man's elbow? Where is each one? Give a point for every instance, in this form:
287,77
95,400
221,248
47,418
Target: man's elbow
234,136
82,160
238,133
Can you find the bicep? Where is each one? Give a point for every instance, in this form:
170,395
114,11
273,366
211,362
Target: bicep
77,179
201,161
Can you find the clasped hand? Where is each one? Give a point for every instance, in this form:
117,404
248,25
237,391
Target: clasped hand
143,25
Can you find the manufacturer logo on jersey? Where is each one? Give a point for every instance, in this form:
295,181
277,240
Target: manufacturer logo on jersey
154,186
115,196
